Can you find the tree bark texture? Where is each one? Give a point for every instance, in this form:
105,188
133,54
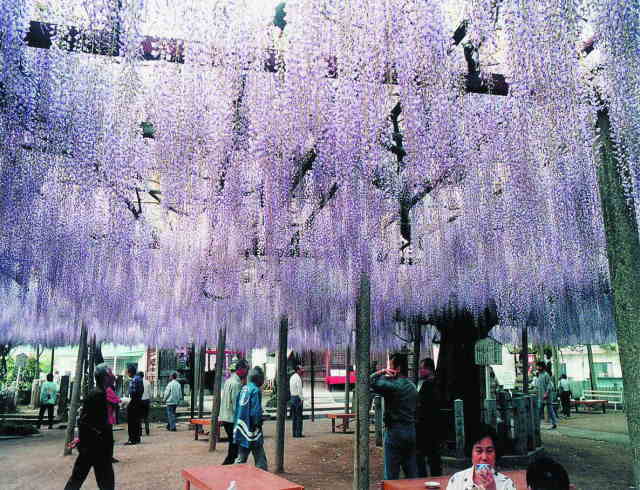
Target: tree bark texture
77,384
362,392
217,389
282,392
623,251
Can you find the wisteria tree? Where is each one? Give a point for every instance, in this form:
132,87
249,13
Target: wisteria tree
284,165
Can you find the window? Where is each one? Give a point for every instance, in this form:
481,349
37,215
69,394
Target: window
602,369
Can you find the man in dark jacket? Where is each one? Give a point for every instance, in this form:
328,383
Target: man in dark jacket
428,421
400,398
96,438
134,409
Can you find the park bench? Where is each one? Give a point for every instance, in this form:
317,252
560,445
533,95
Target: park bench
345,417
614,397
199,424
519,477
590,404
246,477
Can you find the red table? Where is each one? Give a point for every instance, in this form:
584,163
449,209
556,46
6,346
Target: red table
246,477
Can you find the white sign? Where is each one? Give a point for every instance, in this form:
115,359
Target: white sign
21,360
488,352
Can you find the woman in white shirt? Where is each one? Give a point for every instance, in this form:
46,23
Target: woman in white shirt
482,475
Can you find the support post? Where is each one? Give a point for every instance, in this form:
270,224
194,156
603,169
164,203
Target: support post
377,407
313,383
532,406
592,371
623,251
217,389
417,340
63,398
38,353
201,384
458,413
362,392
524,351
77,384
536,420
491,413
53,354
347,372
192,380
91,361
520,426
282,392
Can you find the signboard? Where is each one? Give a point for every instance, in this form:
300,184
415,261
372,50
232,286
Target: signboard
488,352
21,360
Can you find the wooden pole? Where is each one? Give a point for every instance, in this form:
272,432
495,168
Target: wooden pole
201,383
592,371
282,392
623,251
217,389
363,346
91,360
75,395
347,372
313,383
53,354
37,362
192,380
417,339
525,361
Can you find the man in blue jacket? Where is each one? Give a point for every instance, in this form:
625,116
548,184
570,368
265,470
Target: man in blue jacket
247,432
134,410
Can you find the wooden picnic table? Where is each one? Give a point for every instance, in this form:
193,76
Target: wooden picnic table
591,404
519,477
200,423
246,477
345,417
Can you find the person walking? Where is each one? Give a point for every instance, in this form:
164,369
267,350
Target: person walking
95,447
134,409
400,399
113,402
172,398
295,389
429,423
145,404
565,395
247,432
546,394
230,392
48,399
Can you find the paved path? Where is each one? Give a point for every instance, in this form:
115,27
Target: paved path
594,435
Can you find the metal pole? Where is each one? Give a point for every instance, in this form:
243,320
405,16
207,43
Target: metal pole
282,391
75,394
217,389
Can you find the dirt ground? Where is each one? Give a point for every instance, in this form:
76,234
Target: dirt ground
320,461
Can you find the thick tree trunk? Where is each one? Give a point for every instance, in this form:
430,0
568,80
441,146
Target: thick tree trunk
363,344
347,371
217,389
282,392
75,395
457,375
623,250
592,372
